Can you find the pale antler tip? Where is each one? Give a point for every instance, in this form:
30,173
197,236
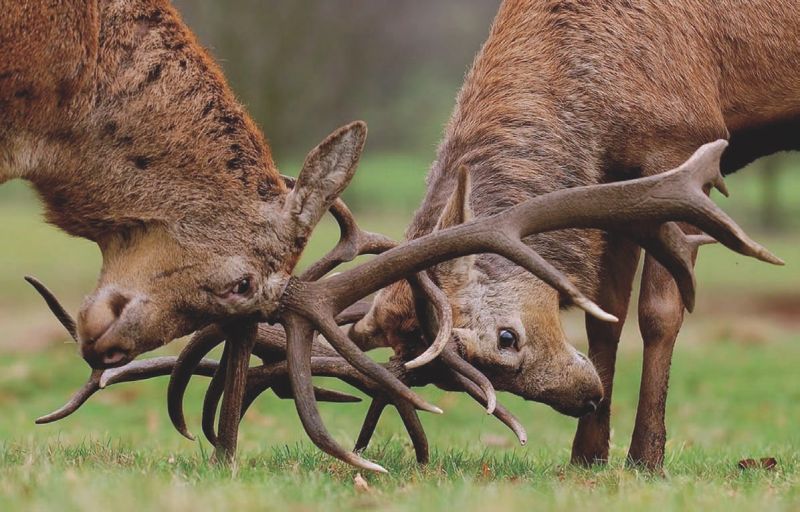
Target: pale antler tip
722,187
371,466
432,408
423,359
766,256
595,310
491,403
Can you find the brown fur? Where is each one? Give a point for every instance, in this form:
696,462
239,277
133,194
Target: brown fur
133,139
580,92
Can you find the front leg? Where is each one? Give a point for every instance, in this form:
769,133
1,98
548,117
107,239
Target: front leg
617,270
660,319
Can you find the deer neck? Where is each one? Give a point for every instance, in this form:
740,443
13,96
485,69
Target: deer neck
157,136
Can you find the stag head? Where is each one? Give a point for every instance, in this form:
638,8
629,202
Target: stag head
505,322
160,281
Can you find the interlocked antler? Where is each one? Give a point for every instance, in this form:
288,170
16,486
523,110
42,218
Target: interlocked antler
353,242
645,209
325,362
270,347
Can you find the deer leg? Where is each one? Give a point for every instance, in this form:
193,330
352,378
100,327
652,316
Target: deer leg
660,319
617,270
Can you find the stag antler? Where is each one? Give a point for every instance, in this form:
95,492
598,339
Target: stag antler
645,209
160,366
353,242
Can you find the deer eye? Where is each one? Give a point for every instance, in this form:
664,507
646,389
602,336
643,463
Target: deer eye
507,339
243,287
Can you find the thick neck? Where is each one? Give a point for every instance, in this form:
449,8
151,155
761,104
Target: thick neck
162,139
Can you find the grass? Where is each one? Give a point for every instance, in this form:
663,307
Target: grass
728,402
734,395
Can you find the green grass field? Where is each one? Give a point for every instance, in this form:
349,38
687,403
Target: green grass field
734,394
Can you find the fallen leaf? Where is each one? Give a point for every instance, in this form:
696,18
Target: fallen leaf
763,463
769,462
360,483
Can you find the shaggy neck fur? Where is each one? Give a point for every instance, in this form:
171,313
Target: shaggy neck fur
135,126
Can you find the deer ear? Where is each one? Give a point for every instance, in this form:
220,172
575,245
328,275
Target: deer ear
457,210
327,171
456,273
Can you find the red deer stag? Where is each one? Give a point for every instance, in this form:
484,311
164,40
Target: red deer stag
131,136
568,93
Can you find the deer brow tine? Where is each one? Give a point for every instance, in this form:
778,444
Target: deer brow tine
55,306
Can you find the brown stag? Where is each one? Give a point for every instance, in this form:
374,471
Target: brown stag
132,138
568,93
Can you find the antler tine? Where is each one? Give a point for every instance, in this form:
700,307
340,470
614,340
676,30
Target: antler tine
299,333
241,339
690,183
670,246
370,423
500,412
427,293
55,306
80,397
153,367
201,344
353,241
134,371
428,296
415,431
686,192
216,387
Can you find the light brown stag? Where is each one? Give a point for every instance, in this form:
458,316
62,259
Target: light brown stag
129,133
568,93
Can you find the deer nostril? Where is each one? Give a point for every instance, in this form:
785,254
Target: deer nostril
100,315
114,357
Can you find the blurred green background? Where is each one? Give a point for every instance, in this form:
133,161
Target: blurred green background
302,68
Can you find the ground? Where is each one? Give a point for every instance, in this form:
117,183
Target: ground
734,395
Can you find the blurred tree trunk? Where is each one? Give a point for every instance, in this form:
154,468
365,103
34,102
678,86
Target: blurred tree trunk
771,211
